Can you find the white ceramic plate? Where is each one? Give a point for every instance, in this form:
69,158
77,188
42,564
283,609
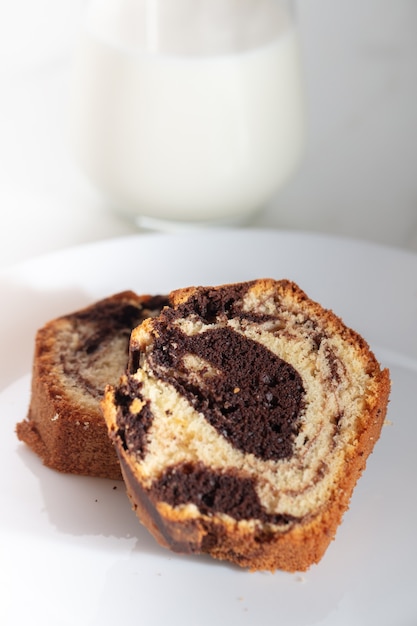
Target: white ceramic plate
71,550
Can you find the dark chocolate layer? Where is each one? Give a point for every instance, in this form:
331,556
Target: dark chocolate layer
211,304
132,428
213,492
253,400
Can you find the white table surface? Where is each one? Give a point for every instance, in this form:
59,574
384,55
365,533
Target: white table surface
358,177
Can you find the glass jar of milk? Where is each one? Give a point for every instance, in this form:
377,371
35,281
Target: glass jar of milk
188,111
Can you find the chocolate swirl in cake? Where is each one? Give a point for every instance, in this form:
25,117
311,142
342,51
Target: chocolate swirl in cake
214,492
93,338
250,396
100,335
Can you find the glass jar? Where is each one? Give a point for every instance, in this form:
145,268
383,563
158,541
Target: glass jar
188,111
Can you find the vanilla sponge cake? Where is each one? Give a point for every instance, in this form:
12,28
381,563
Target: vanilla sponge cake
244,421
76,355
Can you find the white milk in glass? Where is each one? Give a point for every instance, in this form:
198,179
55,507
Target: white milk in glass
174,125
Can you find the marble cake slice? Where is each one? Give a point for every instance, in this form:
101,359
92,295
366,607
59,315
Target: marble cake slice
244,421
76,355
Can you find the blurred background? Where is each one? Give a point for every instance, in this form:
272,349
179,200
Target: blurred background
358,176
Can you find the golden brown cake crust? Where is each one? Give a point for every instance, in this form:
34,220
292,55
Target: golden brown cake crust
301,544
64,425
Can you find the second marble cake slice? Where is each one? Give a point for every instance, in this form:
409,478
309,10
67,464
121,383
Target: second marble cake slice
76,356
